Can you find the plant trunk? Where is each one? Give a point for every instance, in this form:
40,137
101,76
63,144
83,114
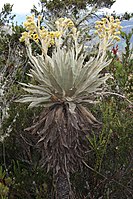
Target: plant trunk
63,187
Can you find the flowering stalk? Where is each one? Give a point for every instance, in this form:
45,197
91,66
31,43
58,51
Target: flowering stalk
108,30
41,36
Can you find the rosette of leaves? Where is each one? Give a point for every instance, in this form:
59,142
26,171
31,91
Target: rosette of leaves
65,84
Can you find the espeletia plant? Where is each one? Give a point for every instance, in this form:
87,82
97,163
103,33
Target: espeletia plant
65,83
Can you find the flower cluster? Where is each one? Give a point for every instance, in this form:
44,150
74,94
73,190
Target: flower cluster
108,28
30,24
30,28
63,24
40,34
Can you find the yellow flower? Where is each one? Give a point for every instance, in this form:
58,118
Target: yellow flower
57,34
117,20
101,36
111,18
35,37
24,37
114,25
43,33
39,34
117,38
30,18
74,30
30,24
98,22
117,33
104,20
52,34
64,23
108,28
52,42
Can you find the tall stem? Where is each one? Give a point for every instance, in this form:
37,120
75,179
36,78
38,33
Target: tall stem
63,188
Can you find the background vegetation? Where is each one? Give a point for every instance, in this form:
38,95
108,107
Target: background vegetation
107,172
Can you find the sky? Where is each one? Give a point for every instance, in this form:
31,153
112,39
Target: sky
22,7
122,6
